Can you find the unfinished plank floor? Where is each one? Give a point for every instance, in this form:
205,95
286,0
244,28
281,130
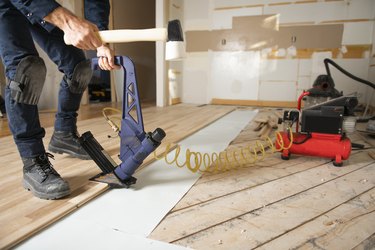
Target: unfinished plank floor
303,203
23,215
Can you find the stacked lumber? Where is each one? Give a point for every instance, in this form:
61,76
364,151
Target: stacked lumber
265,125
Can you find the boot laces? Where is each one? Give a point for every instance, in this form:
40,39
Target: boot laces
44,165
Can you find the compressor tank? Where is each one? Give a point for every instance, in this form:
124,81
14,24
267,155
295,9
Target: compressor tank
332,146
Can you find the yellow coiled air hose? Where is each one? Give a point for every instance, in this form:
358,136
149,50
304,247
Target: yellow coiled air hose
225,160
214,162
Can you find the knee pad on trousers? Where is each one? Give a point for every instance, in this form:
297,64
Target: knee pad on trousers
28,83
81,77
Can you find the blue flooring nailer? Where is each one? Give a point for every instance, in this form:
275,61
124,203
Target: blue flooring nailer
136,144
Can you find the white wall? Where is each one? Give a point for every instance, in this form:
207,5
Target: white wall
248,75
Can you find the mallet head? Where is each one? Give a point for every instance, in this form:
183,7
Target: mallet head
175,47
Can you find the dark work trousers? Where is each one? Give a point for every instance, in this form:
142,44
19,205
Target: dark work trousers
16,42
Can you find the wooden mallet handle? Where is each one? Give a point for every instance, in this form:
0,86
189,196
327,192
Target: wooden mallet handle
133,35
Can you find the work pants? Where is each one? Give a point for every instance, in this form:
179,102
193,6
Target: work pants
17,36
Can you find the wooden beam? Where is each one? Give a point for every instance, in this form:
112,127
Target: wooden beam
257,103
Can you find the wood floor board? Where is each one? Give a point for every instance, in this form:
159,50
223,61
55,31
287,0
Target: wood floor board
208,187
251,177
267,223
23,215
224,207
368,243
47,116
337,228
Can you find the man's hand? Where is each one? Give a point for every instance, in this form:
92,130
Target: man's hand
106,58
77,31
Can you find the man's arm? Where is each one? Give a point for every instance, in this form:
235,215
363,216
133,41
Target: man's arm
49,13
79,32
97,11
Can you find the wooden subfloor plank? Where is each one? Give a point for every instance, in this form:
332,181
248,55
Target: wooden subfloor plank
264,224
261,202
212,185
244,178
344,227
368,243
223,208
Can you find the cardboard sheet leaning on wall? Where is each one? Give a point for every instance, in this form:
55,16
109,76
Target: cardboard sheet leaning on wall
260,32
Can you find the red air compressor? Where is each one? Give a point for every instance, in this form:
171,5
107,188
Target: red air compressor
326,118
322,133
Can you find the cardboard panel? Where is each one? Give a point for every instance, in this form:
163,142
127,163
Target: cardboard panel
248,33
197,41
311,36
259,32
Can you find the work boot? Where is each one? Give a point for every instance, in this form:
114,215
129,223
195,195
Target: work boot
41,178
67,142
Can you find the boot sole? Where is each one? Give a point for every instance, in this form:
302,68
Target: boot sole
44,196
69,152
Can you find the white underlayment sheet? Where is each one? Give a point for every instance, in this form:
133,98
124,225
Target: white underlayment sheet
123,218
